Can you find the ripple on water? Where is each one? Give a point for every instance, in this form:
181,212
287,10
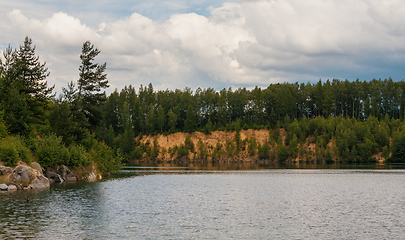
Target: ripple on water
303,204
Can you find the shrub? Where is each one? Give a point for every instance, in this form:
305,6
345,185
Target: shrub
13,149
105,159
9,155
282,152
189,144
398,153
52,152
202,153
78,156
263,151
182,151
252,146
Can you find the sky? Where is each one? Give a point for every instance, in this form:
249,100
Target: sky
217,44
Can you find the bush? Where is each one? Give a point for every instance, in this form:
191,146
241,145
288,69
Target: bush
398,153
77,156
252,146
12,150
189,144
328,157
182,151
9,155
282,152
52,152
107,162
263,151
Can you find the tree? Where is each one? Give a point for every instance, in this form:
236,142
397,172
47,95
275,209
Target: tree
92,80
190,122
160,118
24,90
398,153
172,118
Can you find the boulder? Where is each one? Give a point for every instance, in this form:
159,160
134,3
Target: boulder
66,174
22,175
28,178
92,176
3,187
53,177
40,182
5,170
37,167
12,187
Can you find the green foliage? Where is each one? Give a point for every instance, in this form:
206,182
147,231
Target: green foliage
386,152
52,152
107,162
263,151
202,151
217,151
230,148
328,157
190,122
78,156
188,143
182,151
398,152
208,127
155,150
282,153
3,128
293,146
12,150
252,146
92,80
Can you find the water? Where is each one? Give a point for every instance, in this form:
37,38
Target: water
182,203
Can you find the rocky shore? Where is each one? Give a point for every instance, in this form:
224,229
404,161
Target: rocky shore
33,176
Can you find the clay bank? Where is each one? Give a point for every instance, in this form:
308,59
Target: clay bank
33,176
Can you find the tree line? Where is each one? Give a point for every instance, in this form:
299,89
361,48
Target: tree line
83,118
150,112
35,125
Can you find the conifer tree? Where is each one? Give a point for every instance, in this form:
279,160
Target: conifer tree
24,90
92,80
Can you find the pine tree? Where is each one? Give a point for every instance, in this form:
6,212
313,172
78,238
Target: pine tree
24,90
92,80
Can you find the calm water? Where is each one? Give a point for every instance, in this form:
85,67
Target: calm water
176,203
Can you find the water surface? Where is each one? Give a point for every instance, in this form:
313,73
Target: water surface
182,203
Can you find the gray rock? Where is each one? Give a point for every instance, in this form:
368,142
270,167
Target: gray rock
5,170
66,174
3,187
37,167
40,182
22,175
12,187
53,177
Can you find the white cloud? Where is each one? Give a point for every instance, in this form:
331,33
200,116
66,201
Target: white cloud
242,43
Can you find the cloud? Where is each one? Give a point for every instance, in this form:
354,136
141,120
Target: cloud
244,43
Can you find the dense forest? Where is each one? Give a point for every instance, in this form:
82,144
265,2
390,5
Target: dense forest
360,118
346,120
35,126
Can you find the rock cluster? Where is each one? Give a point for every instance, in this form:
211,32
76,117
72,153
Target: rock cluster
62,174
23,177
36,177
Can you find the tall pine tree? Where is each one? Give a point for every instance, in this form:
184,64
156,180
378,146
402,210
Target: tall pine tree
92,80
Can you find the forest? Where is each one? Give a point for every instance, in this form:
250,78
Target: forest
346,121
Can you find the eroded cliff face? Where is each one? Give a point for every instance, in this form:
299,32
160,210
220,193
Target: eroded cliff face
305,152
166,143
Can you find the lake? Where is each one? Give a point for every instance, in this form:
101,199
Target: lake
206,203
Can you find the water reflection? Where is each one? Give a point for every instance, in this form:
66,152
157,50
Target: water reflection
259,165
185,202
